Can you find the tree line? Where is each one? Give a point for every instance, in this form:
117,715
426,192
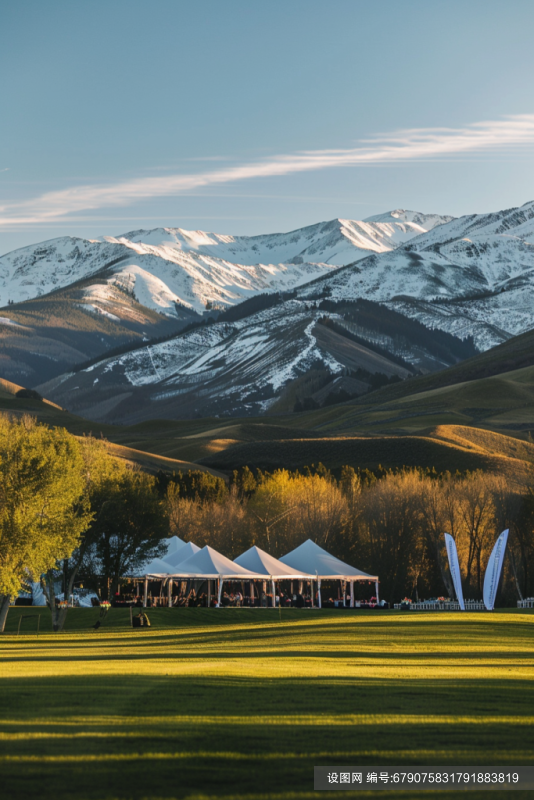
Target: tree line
390,523
70,512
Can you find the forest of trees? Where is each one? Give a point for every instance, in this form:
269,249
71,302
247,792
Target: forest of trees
70,512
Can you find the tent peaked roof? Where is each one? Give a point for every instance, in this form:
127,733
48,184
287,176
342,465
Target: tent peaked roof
155,567
312,558
182,554
208,563
259,561
173,545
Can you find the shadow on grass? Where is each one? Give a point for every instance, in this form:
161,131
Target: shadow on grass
131,736
120,734
133,695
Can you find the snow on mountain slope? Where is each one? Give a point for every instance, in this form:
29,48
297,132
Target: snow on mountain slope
215,370
160,277
336,242
414,218
471,276
166,267
38,269
501,245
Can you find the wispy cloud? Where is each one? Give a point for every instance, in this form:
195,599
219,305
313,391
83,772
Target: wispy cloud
399,146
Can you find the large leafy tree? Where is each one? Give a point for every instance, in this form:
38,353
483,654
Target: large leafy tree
42,513
128,530
100,471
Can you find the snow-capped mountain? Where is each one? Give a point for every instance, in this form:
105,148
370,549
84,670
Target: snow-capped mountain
166,268
412,218
471,276
336,242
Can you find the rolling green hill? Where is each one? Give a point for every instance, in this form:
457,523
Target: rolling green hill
503,402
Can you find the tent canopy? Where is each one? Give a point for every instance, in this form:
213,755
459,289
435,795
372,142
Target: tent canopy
311,558
259,561
173,545
156,568
185,552
208,563
160,566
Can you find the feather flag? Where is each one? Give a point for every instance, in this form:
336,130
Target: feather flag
493,570
454,568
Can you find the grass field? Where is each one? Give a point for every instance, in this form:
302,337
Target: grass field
244,703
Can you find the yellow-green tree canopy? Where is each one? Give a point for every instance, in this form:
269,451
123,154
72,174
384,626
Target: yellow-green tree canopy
42,512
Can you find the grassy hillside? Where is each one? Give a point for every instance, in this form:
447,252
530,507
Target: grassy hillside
51,414
480,423
515,354
503,402
370,453
226,445
237,704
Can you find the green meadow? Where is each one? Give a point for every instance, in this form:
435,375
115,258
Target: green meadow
242,704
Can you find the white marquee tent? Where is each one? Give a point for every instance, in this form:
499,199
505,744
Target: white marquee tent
208,564
160,566
258,560
181,555
311,558
308,562
175,559
173,545
157,568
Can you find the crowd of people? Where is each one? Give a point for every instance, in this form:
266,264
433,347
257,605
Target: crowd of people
235,597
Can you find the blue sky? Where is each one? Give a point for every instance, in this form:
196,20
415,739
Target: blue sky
251,117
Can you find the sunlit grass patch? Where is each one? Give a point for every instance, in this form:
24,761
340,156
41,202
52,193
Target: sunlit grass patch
244,703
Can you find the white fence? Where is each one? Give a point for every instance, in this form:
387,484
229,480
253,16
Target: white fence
442,605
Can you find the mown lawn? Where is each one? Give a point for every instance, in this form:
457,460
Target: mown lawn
243,703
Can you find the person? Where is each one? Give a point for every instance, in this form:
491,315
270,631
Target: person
238,598
191,599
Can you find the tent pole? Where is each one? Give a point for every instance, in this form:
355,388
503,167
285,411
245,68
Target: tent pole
220,590
376,587
311,592
319,593
209,593
169,589
344,587
352,594
145,593
274,593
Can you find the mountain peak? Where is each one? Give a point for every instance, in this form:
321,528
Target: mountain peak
415,218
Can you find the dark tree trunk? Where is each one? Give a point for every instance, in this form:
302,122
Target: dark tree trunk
4,608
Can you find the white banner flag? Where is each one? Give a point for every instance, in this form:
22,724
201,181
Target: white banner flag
493,570
454,567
